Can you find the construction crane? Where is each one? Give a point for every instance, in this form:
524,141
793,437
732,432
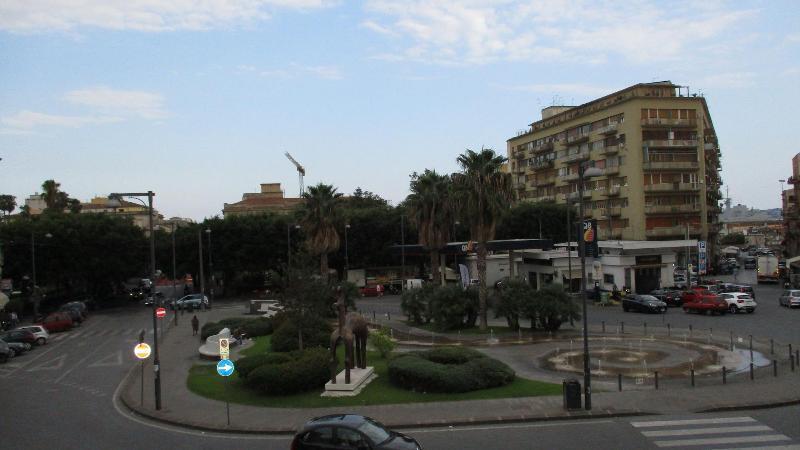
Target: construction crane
300,170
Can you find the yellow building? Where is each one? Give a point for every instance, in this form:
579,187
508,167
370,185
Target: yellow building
270,199
658,151
137,212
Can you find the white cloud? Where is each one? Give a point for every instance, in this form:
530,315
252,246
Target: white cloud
736,80
26,16
482,31
25,121
147,105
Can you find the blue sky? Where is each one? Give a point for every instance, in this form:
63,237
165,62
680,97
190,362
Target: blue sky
198,100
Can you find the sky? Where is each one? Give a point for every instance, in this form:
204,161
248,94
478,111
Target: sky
198,100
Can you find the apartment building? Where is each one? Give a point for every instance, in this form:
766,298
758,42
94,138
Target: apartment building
270,199
791,211
656,146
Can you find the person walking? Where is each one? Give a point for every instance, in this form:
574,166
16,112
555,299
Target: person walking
195,325
14,319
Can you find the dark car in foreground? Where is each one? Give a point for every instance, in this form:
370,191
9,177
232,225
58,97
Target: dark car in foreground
643,303
350,432
672,297
23,336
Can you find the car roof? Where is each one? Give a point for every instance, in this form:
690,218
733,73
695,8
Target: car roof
338,419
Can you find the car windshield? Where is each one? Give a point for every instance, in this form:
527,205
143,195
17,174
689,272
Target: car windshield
375,432
648,298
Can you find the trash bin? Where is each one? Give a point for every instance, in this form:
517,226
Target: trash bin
572,394
605,298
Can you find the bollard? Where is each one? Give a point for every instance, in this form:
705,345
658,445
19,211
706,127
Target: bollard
645,328
669,330
790,349
619,381
771,346
724,375
604,330
774,367
731,340
791,359
690,331
751,348
692,373
373,315
389,315
622,327
656,379
751,371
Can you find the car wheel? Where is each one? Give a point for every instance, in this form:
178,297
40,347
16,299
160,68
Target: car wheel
41,341
751,311
686,310
733,309
12,353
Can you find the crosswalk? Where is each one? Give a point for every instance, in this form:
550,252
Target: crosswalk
98,333
714,433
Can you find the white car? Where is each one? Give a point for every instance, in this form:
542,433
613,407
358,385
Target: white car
790,298
739,301
41,334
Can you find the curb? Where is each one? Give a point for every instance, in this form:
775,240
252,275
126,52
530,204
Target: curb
751,406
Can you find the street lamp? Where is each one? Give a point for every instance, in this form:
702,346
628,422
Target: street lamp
156,363
583,173
210,270
569,240
289,243
346,257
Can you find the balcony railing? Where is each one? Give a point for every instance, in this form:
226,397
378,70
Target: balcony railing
582,156
611,170
672,123
608,129
569,177
672,187
543,164
671,143
546,198
671,165
679,231
545,181
671,209
614,233
611,212
577,139
613,191
543,147
610,150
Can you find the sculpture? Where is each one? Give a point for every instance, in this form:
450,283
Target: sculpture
353,331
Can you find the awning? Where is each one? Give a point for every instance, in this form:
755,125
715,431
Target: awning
793,260
649,266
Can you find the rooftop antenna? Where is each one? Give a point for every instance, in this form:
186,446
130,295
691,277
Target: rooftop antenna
301,171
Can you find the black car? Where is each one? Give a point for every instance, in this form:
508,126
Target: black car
670,297
21,336
76,306
643,303
350,432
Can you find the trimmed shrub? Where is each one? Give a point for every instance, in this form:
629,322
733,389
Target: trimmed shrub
448,370
249,363
382,342
300,371
253,327
316,333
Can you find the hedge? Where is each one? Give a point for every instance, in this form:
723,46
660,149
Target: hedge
252,327
249,363
448,370
316,333
297,371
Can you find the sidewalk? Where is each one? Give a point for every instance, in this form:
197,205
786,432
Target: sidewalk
178,352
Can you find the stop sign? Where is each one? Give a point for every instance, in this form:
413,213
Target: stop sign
161,312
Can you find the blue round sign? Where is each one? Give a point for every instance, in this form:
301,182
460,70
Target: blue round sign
225,367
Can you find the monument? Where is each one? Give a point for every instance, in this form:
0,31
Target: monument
352,331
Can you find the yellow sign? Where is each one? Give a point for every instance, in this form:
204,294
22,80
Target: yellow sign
142,350
224,348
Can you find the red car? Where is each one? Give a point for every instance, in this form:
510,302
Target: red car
372,291
57,321
704,301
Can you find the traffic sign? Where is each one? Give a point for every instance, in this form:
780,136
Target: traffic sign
225,367
224,348
161,312
142,350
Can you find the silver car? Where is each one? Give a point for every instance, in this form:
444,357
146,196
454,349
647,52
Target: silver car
41,334
790,298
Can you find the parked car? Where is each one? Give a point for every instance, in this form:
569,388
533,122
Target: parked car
157,298
671,297
680,281
192,301
705,301
39,332
17,348
23,336
77,306
750,262
5,351
350,432
790,298
643,303
75,315
738,302
726,287
375,290
57,321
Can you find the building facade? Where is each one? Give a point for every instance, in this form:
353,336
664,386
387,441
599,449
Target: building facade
791,212
270,199
657,149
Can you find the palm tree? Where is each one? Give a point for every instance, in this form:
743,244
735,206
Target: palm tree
430,210
484,193
53,197
319,219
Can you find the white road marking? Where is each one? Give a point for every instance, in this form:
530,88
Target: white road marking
507,427
112,360
724,440
771,447
696,431
671,423
48,365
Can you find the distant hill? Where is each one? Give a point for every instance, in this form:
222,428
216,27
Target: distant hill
743,213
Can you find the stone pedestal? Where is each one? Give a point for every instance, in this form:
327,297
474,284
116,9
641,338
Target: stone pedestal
358,379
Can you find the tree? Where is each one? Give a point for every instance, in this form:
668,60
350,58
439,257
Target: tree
733,239
551,307
483,194
522,221
7,203
55,200
319,219
429,209
512,301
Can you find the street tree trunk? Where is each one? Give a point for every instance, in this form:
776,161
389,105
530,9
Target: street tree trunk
435,266
482,291
323,267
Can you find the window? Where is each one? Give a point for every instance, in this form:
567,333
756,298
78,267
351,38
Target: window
351,438
322,435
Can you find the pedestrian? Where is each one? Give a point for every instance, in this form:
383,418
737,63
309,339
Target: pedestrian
195,325
14,319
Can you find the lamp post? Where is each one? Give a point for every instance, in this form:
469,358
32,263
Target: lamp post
583,173
174,270
156,361
202,270
210,270
569,241
346,257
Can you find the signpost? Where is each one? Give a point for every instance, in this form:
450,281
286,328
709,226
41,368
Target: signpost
142,351
161,312
701,258
225,368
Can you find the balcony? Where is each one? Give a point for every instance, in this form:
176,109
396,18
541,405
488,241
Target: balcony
611,212
672,187
671,165
613,191
577,139
611,150
543,164
545,181
546,198
543,147
676,231
672,209
608,129
569,177
670,123
614,233
671,143
582,156
611,170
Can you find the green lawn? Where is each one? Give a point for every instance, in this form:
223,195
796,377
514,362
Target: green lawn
262,345
203,380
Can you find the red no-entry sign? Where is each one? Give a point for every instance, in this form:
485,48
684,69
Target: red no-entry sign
161,312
